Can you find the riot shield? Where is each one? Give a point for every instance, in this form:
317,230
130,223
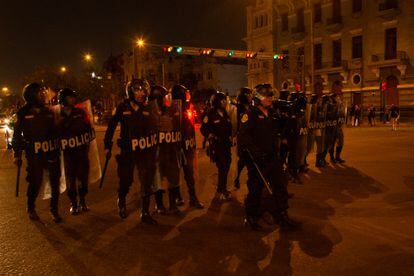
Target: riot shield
319,125
47,190
189,145
95,172
144,140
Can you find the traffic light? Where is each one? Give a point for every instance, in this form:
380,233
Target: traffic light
179,50
206,52
230,54
168,49
278,57
251,55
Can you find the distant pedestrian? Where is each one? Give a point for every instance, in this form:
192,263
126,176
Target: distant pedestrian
371,115
358,112
395,116
352,114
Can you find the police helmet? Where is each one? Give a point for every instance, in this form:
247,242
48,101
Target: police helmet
216,99
179,92
284,95
30,92
262,91
135,85
158,93
64,93
243,95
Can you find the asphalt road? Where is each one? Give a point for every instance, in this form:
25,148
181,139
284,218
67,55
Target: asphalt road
358,219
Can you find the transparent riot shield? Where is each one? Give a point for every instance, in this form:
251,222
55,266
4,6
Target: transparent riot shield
95,172
319,125
47,190
145,143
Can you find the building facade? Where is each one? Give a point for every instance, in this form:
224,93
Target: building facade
199,73
368,45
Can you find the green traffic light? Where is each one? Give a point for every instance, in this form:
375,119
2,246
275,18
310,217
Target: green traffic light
276,56
231,53
179,50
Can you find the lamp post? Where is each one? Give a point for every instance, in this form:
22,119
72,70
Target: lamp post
139,43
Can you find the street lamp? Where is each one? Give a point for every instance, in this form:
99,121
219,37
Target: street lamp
87,57
140,42
63,69
5,89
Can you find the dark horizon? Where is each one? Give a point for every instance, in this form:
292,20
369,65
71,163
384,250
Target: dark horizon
58,33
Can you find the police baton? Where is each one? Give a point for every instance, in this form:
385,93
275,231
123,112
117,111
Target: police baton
108,157
266,183
19,166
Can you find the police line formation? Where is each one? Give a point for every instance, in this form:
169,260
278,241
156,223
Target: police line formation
273,134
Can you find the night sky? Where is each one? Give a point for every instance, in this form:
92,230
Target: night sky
37,33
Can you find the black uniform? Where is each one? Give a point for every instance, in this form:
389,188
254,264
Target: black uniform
218,129
259,134
283,108
76,134
36,133
138,143
241,162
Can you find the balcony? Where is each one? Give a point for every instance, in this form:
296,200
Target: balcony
334,24
383,60
388,9
331,67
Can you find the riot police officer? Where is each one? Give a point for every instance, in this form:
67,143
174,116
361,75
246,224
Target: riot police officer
283,106
338,140
244,102
188,146
330,129
138,143
169,148
297,135
217,128
36,133
76,134
258,135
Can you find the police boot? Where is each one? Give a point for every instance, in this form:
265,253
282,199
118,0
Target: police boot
338,155
331,155
55,215
145,214
179,200
83,206
172,196
31,211
252,223
32,214
122,207
286,223
74,210
319,161
194,202
160,208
